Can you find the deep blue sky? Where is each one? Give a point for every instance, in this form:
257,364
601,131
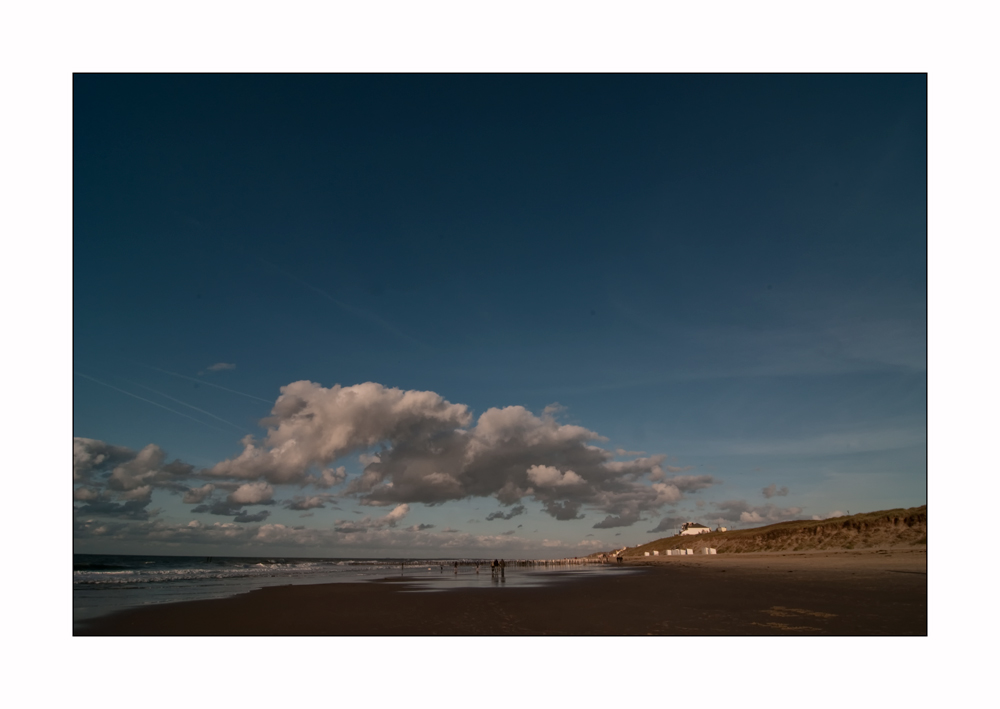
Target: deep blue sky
728,270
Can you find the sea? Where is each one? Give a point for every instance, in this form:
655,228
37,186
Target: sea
103,584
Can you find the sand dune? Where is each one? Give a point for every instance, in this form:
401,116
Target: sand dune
885,529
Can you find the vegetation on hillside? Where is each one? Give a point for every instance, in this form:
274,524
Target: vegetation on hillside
899,527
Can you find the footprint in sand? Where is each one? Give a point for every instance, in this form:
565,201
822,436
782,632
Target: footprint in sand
781,611
784,626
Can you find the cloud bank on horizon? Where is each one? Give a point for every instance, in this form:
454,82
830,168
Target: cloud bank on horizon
426,450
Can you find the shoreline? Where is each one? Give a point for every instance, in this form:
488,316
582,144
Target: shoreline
881,592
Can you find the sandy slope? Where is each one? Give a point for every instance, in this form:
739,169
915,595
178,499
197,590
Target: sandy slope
886,529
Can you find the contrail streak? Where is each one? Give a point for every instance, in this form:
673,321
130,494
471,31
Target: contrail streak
190,406
134,396
217,386
357,312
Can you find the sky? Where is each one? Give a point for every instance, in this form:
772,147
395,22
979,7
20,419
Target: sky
462,315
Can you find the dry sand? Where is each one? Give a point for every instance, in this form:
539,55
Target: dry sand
872,592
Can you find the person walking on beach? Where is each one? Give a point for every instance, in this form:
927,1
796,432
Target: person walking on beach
501,567
456,567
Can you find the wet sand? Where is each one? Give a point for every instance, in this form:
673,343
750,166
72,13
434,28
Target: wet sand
820,593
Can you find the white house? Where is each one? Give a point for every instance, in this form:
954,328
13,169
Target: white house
694,528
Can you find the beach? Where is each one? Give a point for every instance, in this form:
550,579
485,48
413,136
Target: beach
870,592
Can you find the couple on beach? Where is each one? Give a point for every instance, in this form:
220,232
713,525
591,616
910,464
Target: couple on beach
497,567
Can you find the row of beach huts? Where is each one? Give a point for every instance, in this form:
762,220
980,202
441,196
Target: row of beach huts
680,552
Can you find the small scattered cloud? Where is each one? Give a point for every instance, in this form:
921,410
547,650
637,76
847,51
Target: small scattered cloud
256,517
742,511
667,524
257,493
691,483
329,477
550,476
217,367
85,494
363,525
218,507
91,456
133,509
626,519
773,490
514,512
106,468
300,502
419,527
831,515
195,495
140,494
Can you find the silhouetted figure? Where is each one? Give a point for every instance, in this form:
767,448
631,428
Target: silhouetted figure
502,565
456,567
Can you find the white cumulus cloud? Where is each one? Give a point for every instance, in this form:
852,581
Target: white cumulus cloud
311,425
251,494
548,476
